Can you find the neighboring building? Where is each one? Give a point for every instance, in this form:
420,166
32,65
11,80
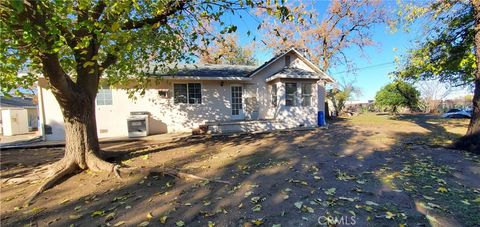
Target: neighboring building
18,116
286,92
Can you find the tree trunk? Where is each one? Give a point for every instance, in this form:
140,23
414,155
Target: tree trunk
471,141
81,139
82,149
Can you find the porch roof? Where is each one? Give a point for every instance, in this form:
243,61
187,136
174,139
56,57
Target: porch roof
294,73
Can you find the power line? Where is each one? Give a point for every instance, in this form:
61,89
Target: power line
367,67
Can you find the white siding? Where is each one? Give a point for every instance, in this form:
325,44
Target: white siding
167,117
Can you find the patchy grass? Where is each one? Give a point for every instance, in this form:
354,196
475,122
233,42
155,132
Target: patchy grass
375,170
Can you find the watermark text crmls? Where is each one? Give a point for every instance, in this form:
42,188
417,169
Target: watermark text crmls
337,220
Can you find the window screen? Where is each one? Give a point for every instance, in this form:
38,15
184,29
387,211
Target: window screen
274,95
307,94
187,93
290,91
179,93
104,96
194,93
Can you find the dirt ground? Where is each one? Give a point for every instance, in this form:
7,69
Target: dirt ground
374,170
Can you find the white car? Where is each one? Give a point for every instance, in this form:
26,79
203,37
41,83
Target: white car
457,113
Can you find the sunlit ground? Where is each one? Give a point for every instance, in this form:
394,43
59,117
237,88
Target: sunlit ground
370,169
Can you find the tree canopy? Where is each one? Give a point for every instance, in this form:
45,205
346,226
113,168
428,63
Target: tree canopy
227,50
397,94
325,36
447,53
121,38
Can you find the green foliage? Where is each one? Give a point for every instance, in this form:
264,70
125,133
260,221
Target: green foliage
447,53
120,41
340,95
397,94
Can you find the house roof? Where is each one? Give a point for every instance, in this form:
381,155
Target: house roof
308,62
294,73
237,72
17,102
211,72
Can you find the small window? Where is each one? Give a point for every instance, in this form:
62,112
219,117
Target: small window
163,93
274,95
287,60
194,93
187,93
306,94
290,94
104,96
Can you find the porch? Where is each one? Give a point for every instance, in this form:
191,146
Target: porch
250,126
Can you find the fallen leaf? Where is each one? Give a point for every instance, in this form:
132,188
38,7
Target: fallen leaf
389,215
255,199
258,221
97,213
163,219
110,217
370,203
257,208
75,216
149,215
428,197
442,189
119,223
144,224
180,223
298,205
211,224
330,191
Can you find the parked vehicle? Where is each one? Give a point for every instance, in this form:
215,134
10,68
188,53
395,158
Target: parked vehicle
457,113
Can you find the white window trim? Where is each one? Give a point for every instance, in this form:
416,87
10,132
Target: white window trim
295,95
188,103
276,95
96,96
302,95
243,99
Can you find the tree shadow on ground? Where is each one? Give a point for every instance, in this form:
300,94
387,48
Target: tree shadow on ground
292,178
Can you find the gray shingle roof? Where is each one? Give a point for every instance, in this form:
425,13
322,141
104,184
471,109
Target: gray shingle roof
16,102
213,70
296,73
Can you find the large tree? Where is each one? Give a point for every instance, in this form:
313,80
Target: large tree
75,44
325,37
397,94
449,51
228,50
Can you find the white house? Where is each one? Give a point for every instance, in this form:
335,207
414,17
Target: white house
17,116
286,92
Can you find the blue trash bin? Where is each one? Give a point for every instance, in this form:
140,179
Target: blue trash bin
321,118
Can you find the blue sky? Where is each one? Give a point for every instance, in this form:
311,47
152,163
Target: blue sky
372,69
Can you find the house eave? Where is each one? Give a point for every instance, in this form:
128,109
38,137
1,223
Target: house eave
207,78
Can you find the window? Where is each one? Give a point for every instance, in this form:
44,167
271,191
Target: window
163,93
187,93
274,95
290,93
104,96
306,94
194,93
179,93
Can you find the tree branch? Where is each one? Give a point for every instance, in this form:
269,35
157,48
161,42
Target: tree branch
171,8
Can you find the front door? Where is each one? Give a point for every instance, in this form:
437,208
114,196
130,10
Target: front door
237,102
